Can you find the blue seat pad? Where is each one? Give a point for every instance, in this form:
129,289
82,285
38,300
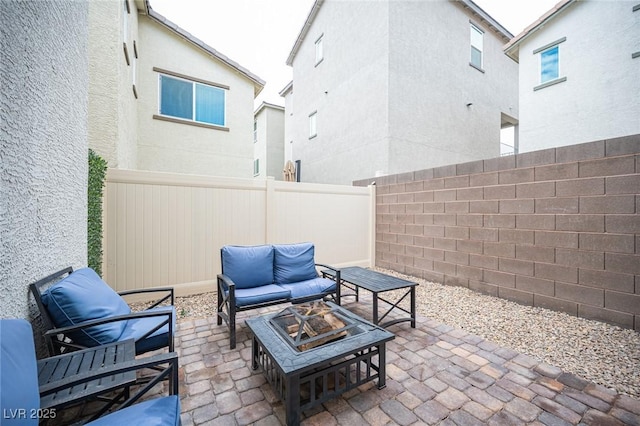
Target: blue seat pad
155,412
137,327
262,294
310,287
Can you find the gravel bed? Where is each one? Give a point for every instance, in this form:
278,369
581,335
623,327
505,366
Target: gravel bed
599,352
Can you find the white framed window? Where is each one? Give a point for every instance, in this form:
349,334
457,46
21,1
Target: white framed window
313,124
256,167
191,100
319,50
477,46
255,131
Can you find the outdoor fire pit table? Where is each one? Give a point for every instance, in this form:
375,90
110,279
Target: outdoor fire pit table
313,352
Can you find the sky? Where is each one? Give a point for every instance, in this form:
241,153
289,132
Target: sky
259,34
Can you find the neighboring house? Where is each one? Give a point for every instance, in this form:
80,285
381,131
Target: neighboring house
579,73
389,87
162,100
268,141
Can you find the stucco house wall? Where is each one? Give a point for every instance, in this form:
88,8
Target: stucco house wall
269,148
599,99
43,145
391,93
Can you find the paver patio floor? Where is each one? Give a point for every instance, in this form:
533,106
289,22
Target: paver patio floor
435,375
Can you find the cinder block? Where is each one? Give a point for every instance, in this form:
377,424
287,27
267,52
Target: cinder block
382,246
484,288
625,263
444,244
622,145
397,228
396,249
415,186
483,234
456,257
456,281
518,236
469,220
470,167
624,224
405,198
468,246
517,206
499,192
405,218
616,243
500,163
607,167
535,285
456,207
536,190
414,208
516,176
573,187
583,151
500,220
396,188
433,231
423,264
423,196
444,268
611,204
405,260
607,280
536,158
627,184
414,272
623,302
411,229
484,179
556,239
518,296
423,219
389,257
456,182
433,276
536,221
444,195
500,249
470,272
382,227
444,219
390,238
424,174
555,304
581,294
470,193
535,253
433,207
397,208
405,239
580,258
564,205
433,184
518,267
390,199
444,171
556,172
606,315
482,261
483,207
433,253
556,272
502,279
580,222
423,241
457,232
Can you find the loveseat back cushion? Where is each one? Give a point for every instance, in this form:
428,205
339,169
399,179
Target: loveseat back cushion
314,287
83,296
19,396
294,263
248,266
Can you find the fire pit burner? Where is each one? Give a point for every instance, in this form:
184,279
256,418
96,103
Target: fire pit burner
309,325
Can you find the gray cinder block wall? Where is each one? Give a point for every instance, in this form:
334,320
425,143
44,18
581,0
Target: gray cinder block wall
557,228
43,145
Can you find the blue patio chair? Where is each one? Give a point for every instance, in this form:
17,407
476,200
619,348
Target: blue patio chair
20,397
81,310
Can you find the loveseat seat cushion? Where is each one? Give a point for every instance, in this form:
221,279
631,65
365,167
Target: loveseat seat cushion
138,327
248,266
155,412
312,287
83,296
294,263
263,294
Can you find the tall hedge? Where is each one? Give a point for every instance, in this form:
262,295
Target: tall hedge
97,174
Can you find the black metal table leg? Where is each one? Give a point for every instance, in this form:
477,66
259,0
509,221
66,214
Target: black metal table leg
292,400
382,366
413,307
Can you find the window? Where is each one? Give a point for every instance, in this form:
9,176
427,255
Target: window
476,46
256,167
319,50
191,100
313,131
125,29
255,131
550,64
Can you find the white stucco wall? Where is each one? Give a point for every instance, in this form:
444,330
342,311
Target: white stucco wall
348,89
288,125
275,142
431,83
43,145
183,148
599,99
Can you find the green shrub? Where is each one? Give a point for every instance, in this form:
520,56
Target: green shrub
97,174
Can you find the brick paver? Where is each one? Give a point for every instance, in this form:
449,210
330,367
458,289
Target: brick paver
436,374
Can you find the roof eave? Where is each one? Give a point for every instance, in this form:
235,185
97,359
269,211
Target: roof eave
305,29
494,25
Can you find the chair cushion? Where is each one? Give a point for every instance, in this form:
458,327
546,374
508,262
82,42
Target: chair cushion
83,296
137,327
294,263
248,266
155,412
18,373
263,294
312,287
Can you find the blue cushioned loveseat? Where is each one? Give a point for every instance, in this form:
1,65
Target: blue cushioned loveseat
257,276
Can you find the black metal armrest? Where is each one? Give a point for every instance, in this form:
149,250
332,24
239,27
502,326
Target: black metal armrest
152,290
225,283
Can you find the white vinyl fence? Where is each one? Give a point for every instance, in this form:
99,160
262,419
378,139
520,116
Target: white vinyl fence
163,229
